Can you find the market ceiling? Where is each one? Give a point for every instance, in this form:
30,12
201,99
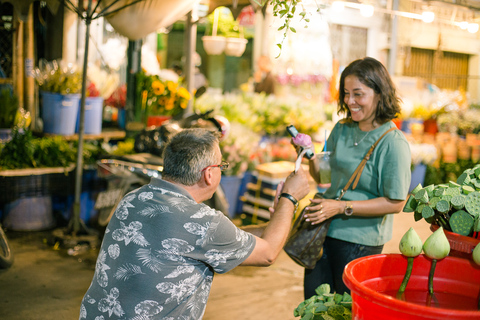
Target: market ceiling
471,4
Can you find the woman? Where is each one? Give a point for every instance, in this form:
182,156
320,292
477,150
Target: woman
362,221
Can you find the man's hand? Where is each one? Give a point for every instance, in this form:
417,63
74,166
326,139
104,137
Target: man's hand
296,184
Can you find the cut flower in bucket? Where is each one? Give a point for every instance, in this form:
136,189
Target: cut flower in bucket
161,97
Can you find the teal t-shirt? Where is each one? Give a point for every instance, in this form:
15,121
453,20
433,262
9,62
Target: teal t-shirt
386,174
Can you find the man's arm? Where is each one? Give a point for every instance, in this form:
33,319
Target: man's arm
270,244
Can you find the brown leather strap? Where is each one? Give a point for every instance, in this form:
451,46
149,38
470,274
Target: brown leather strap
358,172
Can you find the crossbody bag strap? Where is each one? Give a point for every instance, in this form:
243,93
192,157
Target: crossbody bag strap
358,172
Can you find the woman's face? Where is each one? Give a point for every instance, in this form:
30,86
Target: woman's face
362,102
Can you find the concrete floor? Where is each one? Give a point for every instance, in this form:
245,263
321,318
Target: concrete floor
48,283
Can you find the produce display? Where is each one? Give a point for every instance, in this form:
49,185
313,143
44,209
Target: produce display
325,306
454,206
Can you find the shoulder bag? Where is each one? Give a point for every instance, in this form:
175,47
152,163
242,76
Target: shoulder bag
305,242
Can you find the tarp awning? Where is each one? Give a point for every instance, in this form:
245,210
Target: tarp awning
143,18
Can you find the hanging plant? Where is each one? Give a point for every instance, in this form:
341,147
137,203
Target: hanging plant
286,10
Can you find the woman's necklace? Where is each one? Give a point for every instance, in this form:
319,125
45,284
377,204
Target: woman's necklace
355,143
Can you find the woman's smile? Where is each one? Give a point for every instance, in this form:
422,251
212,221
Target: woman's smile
362,102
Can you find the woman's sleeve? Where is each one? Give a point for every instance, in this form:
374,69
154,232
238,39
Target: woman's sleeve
395,168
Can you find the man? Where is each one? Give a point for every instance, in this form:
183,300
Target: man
163,245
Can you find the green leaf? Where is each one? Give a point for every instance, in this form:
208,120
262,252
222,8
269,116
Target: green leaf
323,289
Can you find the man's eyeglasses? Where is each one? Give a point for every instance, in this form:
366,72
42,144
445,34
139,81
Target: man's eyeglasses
222,166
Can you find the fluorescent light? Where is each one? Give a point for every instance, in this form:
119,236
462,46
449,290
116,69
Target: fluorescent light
463,25
472,27
428,16
338,6
366,10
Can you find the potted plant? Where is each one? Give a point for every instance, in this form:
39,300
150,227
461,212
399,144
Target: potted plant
223,34
60,86
161,99
8,112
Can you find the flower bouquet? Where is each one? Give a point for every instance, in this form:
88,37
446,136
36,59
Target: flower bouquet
58,76
160,97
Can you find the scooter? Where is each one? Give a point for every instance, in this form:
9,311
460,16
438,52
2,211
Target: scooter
129,172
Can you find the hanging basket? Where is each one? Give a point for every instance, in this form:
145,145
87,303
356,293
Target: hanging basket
235,47
214,45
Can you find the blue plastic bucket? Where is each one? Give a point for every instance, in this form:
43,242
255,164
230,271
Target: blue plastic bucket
93,115
59,113
231,187
29,214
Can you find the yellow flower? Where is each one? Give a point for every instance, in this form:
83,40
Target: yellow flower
158,87
183,105
172,86
183,93
169,105
162,101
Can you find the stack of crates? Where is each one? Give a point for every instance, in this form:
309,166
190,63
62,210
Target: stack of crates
260,192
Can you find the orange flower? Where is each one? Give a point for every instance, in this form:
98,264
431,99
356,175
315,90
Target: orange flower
183,93
158,87
170,104
172,86
162,101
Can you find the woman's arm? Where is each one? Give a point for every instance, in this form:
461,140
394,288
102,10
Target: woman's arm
323,209
314,169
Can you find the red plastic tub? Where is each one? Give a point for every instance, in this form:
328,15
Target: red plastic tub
373,279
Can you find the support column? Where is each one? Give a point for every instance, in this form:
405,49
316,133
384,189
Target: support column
190,50
392,57
133,108
29,82
18,66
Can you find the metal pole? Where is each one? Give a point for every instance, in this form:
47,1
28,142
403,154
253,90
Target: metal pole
134,63
393,41
190,49
76,223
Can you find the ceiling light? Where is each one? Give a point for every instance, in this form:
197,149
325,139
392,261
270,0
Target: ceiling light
338,6
366,10
463,25
428,16
472,27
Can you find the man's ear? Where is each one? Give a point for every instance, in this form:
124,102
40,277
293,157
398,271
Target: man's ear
207,174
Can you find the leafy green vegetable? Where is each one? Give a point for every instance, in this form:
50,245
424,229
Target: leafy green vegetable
26,151
325,306
8,108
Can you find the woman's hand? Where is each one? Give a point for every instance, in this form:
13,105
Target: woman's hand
302,141
320,210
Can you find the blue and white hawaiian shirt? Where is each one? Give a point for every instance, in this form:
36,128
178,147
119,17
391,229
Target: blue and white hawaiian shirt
159,254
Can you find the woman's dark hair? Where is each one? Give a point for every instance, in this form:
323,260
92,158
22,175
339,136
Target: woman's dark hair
373,74
187,153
